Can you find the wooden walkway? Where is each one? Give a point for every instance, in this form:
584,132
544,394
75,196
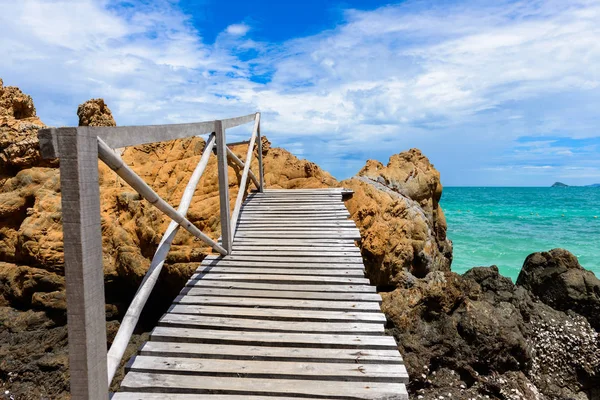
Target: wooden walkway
287,315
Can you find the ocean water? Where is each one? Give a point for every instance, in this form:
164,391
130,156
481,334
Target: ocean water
502,226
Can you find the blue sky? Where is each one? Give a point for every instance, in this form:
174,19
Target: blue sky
495,93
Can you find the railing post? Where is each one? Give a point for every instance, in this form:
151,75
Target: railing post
84,275
260,161
220,143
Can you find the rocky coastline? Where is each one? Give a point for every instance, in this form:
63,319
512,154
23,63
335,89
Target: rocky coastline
470,336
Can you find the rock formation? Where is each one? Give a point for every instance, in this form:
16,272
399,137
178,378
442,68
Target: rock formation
480,335
557,279
95,112
396,208
18,131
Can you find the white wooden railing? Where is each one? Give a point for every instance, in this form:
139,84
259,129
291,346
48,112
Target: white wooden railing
92,368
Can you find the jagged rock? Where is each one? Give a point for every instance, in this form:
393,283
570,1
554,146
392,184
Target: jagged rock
19,284
95,112
557,278
19,124
396,208
482,334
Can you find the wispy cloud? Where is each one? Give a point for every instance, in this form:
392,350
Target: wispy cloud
464,81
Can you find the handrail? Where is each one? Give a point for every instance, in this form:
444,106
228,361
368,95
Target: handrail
119,345
78,150
244,179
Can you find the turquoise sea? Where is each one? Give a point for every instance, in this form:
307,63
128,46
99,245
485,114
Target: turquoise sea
503,225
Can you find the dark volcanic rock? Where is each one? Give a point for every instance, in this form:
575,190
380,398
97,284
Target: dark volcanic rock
558,279
480,335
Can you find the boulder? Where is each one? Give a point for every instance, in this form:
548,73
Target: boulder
403,228
95,112
557,279
480,335
19,124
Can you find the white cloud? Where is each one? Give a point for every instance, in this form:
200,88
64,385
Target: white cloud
238,29
461,81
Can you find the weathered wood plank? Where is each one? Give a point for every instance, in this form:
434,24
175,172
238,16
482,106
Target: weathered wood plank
301,229
270,353
299,235
278,314
277,248
301,223
254,386
268,264
280,271
296,242
295,253
168,334
195,396
270,369
254,325
280,278
279,303
355,259
280,294
295,286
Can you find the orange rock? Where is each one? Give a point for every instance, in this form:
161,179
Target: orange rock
396,208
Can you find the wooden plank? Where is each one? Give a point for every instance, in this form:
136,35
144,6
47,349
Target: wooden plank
296,214
291,200
294,253
300,248
331,205
301,223
280,294
282,208
281,278
283,219
165,349
254,325
281,271
260,386
296,242
278,314
285,227
267,264
300,287
270,369
279,339
279,303
83,263
322,260
195,396
311,191
294,235
123,136
236,121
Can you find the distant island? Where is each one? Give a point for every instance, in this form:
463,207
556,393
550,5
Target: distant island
560,184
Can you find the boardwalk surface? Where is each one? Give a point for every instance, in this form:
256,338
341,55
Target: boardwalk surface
288,315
